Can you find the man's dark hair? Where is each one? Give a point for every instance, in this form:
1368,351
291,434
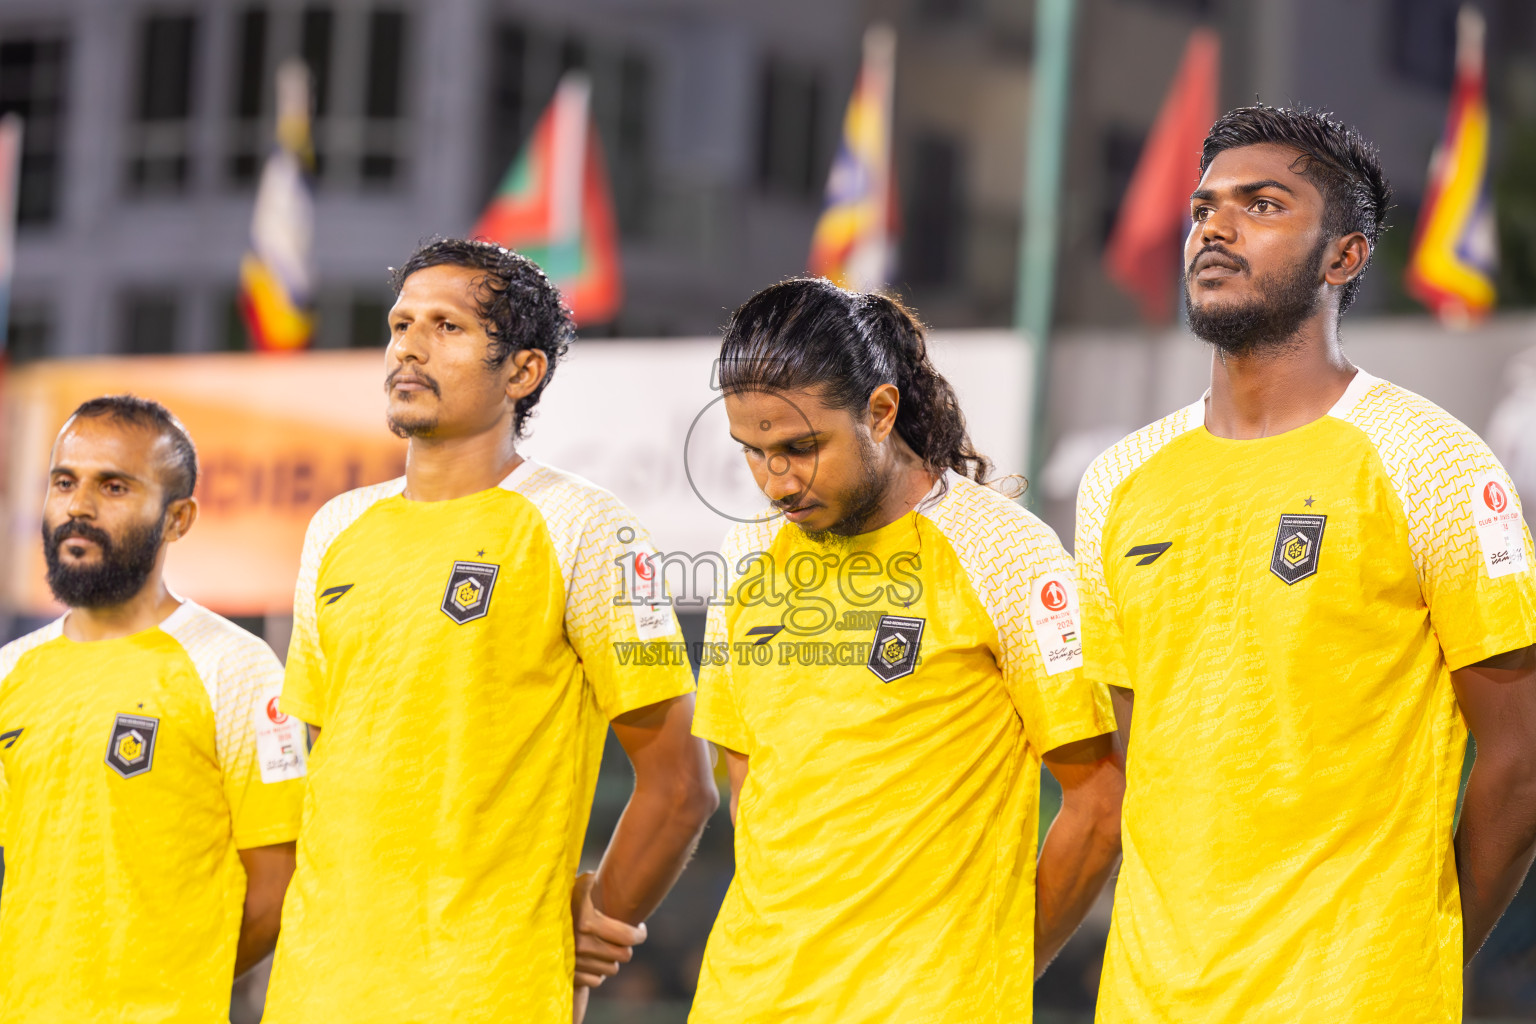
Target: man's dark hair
518,306
1344,166
181,479
808,334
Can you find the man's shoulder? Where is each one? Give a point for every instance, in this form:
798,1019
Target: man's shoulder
12,653
217,647
1123,458
346,508
1403,424
981,521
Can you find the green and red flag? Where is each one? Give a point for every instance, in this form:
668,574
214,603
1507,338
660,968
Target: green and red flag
555,207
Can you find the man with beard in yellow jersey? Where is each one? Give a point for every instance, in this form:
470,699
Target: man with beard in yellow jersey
1307,588
454,648
896,659
152,793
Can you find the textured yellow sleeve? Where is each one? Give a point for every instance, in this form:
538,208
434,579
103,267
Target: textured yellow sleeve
1022,576
717,716
260,751
1104,657
1470,544
305,677
631,649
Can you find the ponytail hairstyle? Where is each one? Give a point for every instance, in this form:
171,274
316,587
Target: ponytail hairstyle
808,334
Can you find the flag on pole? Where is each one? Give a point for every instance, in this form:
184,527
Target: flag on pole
1455,244
853,244
277,276
1143,255
10,178
554,206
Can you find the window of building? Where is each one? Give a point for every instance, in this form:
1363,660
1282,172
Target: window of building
356,57
29,331
33,73
931,244
526,65
160,137
149,322
789,154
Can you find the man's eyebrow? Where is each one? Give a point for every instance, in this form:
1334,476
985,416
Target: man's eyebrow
1209,195
111,474
782,443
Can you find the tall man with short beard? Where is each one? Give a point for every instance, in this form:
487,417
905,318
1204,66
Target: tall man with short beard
152,786
922,659
455,652
1306,589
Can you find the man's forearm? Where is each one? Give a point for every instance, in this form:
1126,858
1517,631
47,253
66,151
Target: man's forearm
650,847
1495,842
1080,852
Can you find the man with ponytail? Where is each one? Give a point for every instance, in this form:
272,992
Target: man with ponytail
896,658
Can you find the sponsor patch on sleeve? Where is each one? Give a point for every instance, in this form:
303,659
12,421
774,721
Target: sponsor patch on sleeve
279,741
653,615
1053,614
1500,535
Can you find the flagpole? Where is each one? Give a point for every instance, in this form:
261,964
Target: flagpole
1046,134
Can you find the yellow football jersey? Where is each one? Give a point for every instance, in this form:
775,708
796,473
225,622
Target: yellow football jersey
1288,611
135,770
894,693
463,659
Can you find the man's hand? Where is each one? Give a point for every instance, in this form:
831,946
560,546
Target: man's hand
602,942
1496,839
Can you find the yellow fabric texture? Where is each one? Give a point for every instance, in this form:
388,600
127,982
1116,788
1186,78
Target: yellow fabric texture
1296,747
451,784
123,895
885,840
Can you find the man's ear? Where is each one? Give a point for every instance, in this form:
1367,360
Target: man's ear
884,401
1346,259
525,372
179,517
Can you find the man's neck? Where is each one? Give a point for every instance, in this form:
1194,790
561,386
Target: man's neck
148,608
441,470
909,484
1261,394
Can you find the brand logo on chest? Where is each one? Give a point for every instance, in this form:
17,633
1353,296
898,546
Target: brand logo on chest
894,652
131,748
1298,542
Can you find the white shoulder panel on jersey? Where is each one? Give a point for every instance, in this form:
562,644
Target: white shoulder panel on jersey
237,670
12,652
1437,465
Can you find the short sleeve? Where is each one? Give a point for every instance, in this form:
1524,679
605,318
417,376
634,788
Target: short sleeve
1023,578
618,618
1477,569
262,749
304,680
716,716
1104,658
1469,542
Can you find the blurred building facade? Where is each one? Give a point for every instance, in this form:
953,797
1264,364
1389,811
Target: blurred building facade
147,123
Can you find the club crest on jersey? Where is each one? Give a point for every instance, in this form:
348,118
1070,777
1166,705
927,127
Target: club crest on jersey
468,596
1297,543
131,750
894,652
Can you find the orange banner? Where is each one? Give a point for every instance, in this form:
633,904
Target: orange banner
276,438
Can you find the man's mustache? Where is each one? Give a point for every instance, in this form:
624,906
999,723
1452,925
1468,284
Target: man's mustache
426,379
1222,250
77,528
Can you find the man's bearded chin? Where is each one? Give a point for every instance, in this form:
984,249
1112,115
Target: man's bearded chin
1270,322
119,574
411,423
861,502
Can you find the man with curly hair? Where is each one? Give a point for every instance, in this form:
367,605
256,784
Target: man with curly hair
1307,588
454,653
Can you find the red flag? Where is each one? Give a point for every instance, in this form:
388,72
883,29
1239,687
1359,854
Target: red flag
1143,255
